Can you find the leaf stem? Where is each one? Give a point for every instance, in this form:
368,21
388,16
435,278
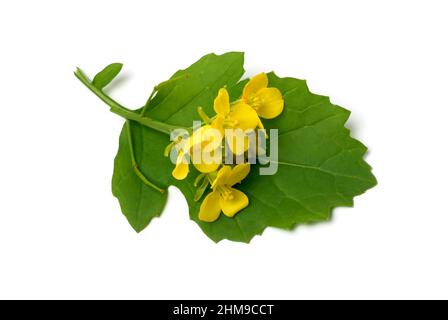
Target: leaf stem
99,93
122,111
128,114
134,162
148,122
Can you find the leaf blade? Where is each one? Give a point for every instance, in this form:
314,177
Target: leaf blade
105,76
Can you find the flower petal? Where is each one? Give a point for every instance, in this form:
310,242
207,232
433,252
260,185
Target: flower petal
237,141
210,207
181,170
221,177
255,84
238,173
218,124
207,167
245,116
222,102
211,136
271,103
231,206
198,136
207,155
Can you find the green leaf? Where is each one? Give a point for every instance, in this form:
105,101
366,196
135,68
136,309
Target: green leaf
105,76
176,101
320,165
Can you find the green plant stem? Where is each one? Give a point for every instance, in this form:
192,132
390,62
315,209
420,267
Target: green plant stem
122,111
128,114
134,161
147,122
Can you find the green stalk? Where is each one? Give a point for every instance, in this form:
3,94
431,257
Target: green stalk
122,111
134,161
128,114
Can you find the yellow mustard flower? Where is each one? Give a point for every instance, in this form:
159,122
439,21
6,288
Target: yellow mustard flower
267,102
223,197
207,141
240,116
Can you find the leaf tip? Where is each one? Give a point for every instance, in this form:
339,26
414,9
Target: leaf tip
105,76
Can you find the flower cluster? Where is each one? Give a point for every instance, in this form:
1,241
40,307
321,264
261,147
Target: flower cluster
230,127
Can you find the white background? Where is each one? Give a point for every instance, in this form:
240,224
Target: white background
62,234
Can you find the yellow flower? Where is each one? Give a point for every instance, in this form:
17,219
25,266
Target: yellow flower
223,197
267,102
203,147
240,116
181,169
